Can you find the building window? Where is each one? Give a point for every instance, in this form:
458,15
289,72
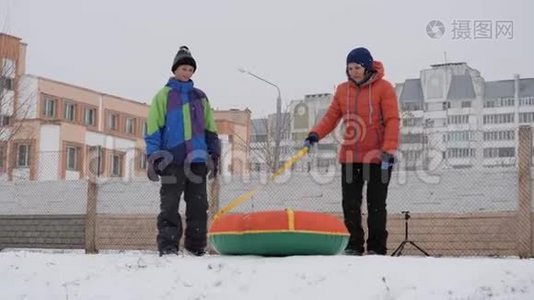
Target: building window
499,152
412,155
458,119
256,167
129,126
412,122
8,68
459,136
145,128
498,118
325,163
23,156
72,158
446,105
69,112
89,118
466,104
460,152
411,106
113,121
4,120
500,102
6,83
526,117
49,109
142,161
116,165
490,103
507,102
96,160
262,138
526,101
411,138
505,135
3,155
323,147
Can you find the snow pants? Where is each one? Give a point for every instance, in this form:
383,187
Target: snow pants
353,177
191,181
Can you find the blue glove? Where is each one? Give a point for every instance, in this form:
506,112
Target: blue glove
311,140
388,161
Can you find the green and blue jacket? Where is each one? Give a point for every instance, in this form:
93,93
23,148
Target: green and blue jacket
181,121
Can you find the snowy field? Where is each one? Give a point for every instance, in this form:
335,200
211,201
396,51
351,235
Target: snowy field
46,274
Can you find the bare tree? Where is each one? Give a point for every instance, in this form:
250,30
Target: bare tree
263,146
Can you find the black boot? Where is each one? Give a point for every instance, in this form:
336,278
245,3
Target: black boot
168,250
199,252
352,252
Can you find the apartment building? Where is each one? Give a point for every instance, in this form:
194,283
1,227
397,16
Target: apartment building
453,118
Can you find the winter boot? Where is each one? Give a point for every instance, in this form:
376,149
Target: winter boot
168,250
352,252
199,252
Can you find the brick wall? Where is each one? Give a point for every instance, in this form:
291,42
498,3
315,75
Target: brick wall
42,231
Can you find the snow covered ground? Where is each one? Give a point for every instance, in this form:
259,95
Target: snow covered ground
46,274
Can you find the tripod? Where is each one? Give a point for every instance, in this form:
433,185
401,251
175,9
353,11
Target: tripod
398,251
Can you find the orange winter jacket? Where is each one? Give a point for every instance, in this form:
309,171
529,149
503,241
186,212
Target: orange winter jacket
370,115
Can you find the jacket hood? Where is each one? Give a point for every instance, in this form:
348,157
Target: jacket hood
378,73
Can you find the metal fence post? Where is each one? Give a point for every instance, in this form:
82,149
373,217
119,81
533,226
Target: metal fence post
524,208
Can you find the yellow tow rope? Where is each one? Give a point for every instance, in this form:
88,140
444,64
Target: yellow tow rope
246,196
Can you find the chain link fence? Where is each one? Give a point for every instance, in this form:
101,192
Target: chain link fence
468,194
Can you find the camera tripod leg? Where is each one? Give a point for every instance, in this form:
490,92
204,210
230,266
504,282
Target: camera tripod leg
419,248
399,249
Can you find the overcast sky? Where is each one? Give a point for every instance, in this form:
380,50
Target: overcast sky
126,47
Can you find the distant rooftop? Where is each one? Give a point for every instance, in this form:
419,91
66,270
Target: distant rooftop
461,87
448,64
9,35
310,96
505,88
412,91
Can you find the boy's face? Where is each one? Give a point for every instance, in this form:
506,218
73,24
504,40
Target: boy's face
356,71
184,72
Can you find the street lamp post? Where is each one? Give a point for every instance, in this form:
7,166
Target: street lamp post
278,119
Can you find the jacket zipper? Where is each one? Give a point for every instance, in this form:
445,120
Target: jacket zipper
358,90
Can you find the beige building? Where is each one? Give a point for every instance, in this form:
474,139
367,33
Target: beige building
234,127
52,130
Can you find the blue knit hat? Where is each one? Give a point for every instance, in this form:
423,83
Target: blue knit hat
361,56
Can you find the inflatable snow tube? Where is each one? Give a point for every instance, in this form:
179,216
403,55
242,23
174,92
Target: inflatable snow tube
278,233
